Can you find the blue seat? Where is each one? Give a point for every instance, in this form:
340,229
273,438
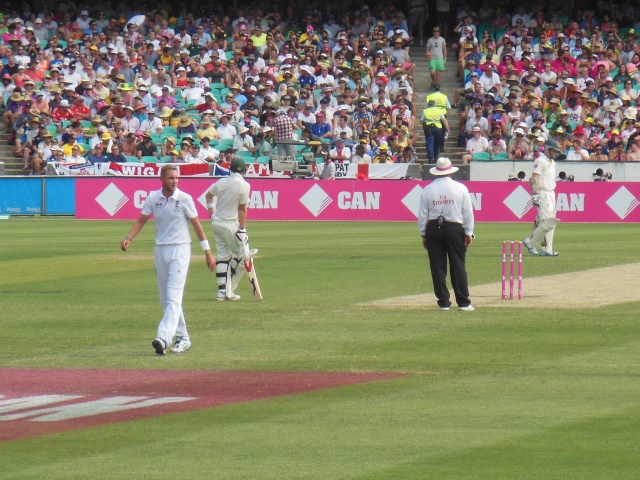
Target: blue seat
481,157
224,144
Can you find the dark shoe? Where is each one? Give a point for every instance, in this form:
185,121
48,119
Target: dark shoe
159,345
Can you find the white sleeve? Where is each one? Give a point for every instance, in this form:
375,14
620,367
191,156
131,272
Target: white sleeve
423,214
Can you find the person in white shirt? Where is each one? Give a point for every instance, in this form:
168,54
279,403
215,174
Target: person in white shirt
360,156
340,153
446,223
576,153
173,210
75,156
243,142
151,123
477,143
489,78
83,20
229,222
192,92
543,185
207,152
226,131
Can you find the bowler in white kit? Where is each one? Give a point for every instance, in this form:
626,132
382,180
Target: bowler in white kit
172,210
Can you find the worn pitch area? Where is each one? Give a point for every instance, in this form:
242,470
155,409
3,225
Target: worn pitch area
588,288
41,401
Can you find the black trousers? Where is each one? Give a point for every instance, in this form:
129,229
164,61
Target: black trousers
447,241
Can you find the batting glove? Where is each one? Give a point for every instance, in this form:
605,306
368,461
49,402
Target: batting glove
242,237
536,200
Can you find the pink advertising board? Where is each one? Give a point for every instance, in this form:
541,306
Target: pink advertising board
381,200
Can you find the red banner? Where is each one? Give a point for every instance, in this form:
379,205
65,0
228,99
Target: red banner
153,169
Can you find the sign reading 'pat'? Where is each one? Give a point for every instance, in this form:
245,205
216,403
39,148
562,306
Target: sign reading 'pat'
41,401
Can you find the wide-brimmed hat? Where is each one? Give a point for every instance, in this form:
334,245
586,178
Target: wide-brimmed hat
166,112
443,167
171,140
184,122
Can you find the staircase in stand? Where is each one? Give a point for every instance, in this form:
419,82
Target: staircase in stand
422,87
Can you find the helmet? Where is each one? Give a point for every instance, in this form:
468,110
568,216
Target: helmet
238,165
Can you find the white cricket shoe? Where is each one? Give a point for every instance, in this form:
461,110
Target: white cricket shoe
159,346
532,250
444,309
223,296
548,254
468,308
181,346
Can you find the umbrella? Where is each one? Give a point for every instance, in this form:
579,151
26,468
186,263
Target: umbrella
137,20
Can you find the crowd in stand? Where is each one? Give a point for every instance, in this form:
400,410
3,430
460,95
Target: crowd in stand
96,84
571,77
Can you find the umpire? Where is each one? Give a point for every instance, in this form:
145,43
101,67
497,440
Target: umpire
445,222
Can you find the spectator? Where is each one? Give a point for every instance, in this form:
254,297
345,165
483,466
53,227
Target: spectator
477,143
360,156
576,152
97,155
116,155
146,148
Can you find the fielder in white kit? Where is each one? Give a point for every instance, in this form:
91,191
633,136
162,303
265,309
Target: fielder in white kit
229,221
543,185
172,210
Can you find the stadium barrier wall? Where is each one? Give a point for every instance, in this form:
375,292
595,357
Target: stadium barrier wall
381,200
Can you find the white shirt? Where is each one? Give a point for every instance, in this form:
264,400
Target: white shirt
194,93
153,126
357,159
226,132
230,193
449,198
205,153
573,155
546,168
242,144
171,216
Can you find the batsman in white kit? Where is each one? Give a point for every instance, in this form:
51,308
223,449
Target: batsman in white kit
172,210
229,222
543,185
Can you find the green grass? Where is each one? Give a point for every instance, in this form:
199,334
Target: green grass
499,393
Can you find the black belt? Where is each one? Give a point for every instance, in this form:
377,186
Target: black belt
435,221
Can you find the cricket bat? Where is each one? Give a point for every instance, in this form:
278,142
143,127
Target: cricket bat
251,275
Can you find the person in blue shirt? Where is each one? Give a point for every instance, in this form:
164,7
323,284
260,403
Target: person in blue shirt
96,156
116,155
321,129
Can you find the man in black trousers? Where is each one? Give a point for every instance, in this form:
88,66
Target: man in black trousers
445,222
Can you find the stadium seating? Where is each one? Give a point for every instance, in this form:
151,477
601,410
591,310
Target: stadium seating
481,157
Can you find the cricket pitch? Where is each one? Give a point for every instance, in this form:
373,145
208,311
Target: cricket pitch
589,288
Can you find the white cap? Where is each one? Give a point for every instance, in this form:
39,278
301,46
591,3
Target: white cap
84,12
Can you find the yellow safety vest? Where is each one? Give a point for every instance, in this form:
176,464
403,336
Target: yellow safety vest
432,116
440,98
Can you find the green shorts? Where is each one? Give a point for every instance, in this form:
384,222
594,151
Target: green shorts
436,64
